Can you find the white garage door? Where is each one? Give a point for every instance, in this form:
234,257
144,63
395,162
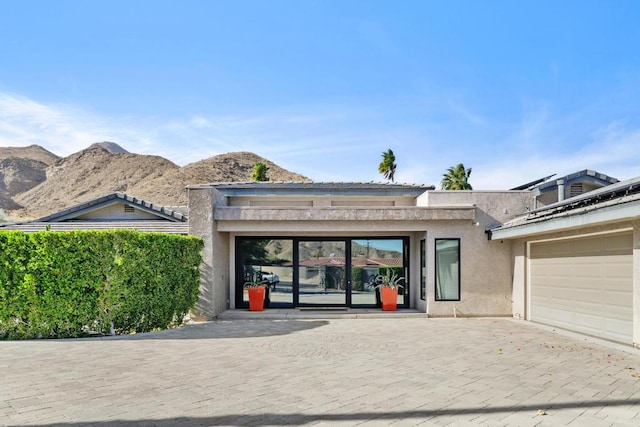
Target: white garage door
584,284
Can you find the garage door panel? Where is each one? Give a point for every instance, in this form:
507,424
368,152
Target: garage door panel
620,327
584,284
618,301
588,246
620,243
554,294
588,270
618,285
587,284
589,296
551,250
618,268
619,313
589,322
555,317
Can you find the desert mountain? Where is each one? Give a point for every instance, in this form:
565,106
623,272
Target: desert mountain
32,152
111,147
21,169
104,168
169,189
86,175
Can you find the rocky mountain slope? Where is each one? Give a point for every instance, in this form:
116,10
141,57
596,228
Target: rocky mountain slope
21,169
169,189
39,183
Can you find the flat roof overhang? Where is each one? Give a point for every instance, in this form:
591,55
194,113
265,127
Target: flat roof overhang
580,218
335,218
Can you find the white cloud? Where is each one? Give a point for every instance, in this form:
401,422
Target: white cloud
61,128
337,143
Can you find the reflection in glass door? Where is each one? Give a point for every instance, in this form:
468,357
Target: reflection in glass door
370,259
328,271
269,262
322,274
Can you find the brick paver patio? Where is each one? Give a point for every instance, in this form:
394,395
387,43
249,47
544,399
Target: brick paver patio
337,372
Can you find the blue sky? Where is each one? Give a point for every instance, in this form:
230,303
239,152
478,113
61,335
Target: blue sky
513,89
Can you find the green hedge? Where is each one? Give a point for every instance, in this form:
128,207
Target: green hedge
72,284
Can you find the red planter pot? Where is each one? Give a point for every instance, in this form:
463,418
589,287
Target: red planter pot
256,298
389,297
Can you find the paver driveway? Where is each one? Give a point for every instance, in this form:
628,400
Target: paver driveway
396,371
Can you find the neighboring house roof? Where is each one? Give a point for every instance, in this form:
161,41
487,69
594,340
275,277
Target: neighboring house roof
618,201
532,184
92,205
146,226
586,175
144,216
270,188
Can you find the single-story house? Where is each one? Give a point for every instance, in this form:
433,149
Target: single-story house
116,210
568,263
317,236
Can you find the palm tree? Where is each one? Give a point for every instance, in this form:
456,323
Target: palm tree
388,165
456,178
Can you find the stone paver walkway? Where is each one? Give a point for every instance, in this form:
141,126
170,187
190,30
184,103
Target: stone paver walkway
338,372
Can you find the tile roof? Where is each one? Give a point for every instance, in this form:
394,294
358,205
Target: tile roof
74,211
140,225
170,220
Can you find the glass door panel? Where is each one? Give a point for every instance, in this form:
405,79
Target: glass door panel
268,261
322,278
369,259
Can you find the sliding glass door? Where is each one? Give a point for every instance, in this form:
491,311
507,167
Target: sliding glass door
370,259
268,261
322,278
302,272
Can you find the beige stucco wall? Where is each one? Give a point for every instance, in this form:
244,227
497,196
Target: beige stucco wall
214,271
493,207
485,273
486,266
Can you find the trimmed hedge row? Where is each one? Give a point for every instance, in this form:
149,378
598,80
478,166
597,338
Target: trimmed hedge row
72,284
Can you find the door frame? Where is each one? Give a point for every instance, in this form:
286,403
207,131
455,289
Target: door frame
239,284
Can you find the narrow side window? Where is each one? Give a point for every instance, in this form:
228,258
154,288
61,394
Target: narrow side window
423,269
447,269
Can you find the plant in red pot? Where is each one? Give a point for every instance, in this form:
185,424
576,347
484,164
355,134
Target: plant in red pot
256,292
388,285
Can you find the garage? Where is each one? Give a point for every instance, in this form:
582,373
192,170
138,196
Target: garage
584,284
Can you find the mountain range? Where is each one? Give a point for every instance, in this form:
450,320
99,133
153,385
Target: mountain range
35,182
